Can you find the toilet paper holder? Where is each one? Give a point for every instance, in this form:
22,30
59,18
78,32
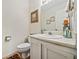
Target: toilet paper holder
7,38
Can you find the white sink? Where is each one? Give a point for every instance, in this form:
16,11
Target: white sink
57,39
51,36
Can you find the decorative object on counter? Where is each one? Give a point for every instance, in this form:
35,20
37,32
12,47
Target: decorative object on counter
66,29
34,16
66,21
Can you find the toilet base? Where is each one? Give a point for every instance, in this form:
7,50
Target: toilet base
25,55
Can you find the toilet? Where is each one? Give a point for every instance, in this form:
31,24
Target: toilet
24,49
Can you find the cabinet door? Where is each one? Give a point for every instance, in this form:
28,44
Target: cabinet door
50,52
35,51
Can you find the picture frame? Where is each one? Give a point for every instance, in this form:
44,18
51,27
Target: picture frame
34,16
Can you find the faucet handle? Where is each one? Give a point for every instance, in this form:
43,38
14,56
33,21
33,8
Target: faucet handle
56,29
50,33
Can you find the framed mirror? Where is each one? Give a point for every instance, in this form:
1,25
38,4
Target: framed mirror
53,15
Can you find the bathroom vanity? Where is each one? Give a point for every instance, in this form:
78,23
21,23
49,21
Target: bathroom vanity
44,46
51,44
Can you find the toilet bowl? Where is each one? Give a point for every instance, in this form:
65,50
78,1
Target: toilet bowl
23,47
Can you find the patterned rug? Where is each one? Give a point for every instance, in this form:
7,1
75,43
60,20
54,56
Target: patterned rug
16,56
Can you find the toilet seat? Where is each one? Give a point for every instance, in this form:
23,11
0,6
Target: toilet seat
24,45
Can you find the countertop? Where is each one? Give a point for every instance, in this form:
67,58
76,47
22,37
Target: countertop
71,43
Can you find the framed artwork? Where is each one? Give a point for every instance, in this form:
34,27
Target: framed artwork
34,16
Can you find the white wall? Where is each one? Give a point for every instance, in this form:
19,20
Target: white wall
34,5
15,23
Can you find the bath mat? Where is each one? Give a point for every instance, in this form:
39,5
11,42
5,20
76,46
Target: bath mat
15,55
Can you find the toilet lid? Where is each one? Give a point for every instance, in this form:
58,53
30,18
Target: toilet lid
24,45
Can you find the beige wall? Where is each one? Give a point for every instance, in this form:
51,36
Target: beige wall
15,23
35,27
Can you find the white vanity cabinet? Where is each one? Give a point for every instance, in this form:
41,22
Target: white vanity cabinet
44,50
51,51
35,50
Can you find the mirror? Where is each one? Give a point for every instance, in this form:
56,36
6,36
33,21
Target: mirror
53,15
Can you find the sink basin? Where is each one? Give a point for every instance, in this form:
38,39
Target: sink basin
51,36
